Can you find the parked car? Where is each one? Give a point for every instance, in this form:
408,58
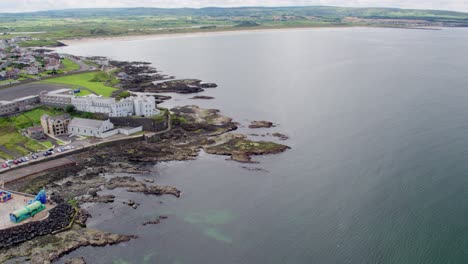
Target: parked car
4,165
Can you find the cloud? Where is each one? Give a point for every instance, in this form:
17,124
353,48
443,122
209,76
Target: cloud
35,5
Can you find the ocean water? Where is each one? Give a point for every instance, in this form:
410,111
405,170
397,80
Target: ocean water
377,173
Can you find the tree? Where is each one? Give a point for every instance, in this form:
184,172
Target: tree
70,109
124,94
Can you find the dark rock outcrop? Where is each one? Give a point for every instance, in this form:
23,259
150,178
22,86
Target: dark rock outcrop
261,124
59,218
202,97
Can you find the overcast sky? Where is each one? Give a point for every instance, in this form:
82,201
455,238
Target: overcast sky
35,5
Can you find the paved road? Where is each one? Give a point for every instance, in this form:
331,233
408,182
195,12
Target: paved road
25,171
27,89
83,66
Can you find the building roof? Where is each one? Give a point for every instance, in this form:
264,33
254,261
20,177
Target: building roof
54,118
35,129
88,123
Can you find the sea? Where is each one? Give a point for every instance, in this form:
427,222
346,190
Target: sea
378,166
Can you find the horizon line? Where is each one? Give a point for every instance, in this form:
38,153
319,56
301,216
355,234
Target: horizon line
233,7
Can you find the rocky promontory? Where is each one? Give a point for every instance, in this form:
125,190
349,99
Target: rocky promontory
202,97
261,124
183,86
242,149
47,249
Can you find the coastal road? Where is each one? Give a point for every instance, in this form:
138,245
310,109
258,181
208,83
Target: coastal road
34,88
83,66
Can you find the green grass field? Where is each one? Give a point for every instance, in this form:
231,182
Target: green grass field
69,65
83,93
93,81
32,117
48,144
38,43
15,143
62,24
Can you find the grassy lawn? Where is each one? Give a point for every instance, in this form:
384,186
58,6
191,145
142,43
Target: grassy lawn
32,117
48,144
97,82
38,43
16,143
69,65
4,82
83,93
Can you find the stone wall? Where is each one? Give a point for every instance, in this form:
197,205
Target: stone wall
59,218
148,124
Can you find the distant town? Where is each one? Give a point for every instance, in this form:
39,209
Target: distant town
69,111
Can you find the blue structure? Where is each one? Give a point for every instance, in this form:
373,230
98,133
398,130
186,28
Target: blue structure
4,196
40,197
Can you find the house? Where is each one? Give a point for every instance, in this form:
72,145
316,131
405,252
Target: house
27,60
57,125
91,128
3,44
122,76
35,132
12,74
31,70
52,62
20,39
52,66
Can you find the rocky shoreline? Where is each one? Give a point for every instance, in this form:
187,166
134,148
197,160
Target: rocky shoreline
94,179
138,76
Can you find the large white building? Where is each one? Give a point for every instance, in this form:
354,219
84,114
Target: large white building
144,106
89,127
98,128
136,105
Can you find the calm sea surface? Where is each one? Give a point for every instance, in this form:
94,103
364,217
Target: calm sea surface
377,173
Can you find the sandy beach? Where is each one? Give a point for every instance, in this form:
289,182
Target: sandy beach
74,41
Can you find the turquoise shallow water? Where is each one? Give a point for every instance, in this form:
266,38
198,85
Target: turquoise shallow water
377,173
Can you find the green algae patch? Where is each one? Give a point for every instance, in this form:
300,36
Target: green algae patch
215,234
214,218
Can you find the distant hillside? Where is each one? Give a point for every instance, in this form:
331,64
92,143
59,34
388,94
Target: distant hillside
326,11
48,26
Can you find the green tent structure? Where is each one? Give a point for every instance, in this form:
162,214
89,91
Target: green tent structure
27,212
